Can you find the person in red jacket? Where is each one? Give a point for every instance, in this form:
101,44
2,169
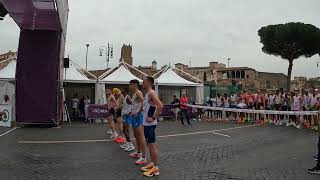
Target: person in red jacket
184,108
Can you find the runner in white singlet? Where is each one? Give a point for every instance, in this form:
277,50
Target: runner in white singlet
152,110
137,120
127,121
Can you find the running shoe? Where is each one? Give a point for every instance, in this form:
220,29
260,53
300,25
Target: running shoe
110,132
119,139
315,170
147,167
135,155
113,136
153,172
129,148
141,161
124,146
315,157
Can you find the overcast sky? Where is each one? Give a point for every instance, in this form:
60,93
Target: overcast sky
180,31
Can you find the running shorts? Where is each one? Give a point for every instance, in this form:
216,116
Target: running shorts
111,112
137,120
150,133
126,119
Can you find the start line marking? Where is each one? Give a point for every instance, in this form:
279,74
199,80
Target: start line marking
163,136
8,132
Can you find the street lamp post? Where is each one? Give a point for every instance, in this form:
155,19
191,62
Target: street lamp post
87,45
229,62
109,52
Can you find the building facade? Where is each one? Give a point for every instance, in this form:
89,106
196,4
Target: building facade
300,83
248,78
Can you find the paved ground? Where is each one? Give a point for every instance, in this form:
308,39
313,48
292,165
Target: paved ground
231,151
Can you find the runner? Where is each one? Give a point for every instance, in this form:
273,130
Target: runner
137,120
127,120
118,114
152,110
313,107
219,101
112,103
296,106
226,104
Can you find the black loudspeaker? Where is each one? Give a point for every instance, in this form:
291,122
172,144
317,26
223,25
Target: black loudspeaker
66,62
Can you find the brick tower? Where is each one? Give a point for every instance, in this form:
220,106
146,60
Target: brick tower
126,54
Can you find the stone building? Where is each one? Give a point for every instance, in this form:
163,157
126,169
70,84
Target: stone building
149,70
269,80
305,83
244,76
248,78
204,73
126,54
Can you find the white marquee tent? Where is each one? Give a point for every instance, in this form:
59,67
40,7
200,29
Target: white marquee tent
171,78
119,75
73,74
168,77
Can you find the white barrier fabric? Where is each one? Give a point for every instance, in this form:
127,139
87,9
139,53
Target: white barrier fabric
251,111
6,118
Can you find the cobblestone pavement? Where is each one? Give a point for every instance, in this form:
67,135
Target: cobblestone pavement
233,151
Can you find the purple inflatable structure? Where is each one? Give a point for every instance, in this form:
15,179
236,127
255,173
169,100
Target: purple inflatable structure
43,25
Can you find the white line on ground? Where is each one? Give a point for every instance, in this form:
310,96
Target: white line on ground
163,136
61,142
221,134
8,132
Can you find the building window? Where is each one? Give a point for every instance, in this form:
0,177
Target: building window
238,74
243,75
247,76
268,86
233,75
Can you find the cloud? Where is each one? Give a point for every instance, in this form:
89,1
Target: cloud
180,31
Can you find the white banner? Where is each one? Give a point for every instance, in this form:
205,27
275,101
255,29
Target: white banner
5,115
298,113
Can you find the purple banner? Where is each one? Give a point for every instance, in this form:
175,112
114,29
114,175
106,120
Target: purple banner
97,111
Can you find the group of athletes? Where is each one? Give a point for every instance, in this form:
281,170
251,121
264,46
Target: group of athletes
277,100
130,108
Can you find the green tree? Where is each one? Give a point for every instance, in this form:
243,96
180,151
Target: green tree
290,41
3,11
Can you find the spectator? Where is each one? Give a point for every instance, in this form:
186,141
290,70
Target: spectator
81,108
175,106
75,105
209,111
184,109
87,102
6,100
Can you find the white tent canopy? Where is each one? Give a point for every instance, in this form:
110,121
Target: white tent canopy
9,72
120,75
171,78
74,75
